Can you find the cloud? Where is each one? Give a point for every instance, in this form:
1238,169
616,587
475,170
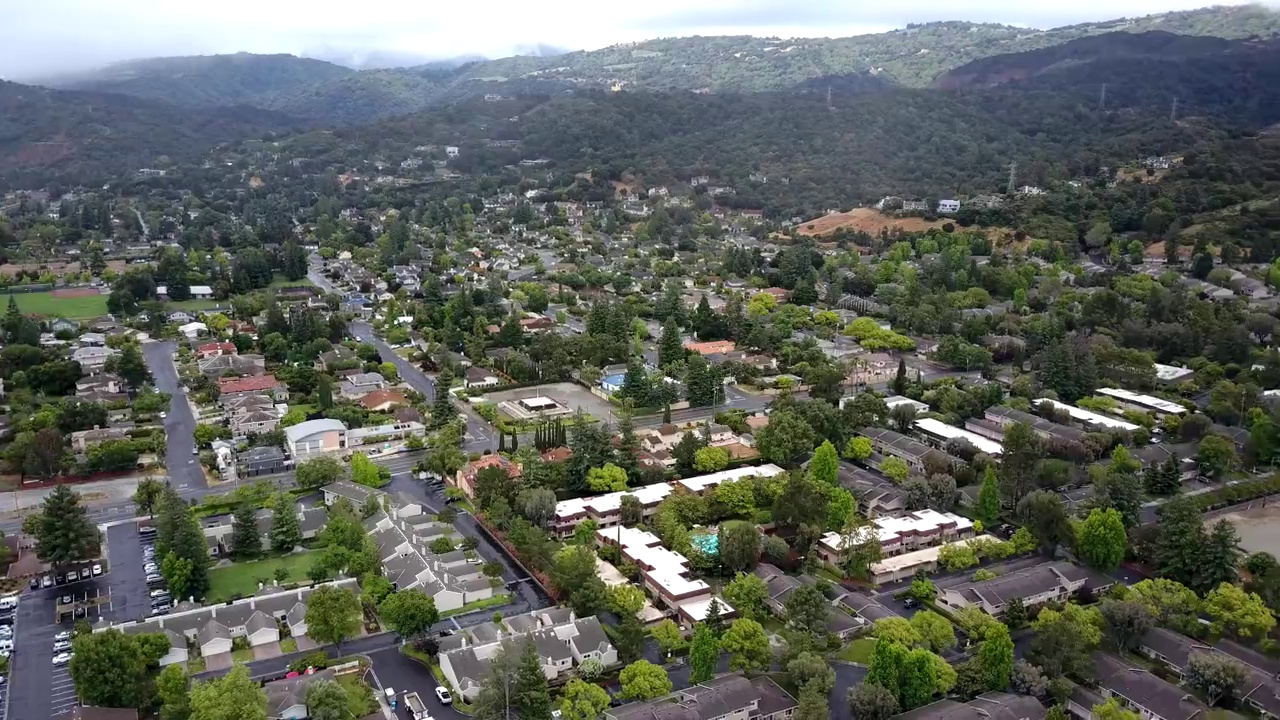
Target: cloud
57,36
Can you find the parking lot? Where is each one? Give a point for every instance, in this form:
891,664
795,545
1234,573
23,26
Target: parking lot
128,581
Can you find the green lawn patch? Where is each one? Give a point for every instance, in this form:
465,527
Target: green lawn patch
45,303
243,655
360,702
241,579
195,665
858,651
281,281
495,601
288,646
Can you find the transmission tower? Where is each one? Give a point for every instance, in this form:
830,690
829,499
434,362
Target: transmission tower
1013,178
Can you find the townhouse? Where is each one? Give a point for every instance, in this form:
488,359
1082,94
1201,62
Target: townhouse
909,543
1143,403
561,640
1035,586
914,453
997,419
1261,688
728,697
988,706
1087,419
1136,689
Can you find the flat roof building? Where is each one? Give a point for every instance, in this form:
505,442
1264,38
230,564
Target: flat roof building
943,433
1145,403
1089,419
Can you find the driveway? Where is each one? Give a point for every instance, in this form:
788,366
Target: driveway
130,597
180,425
266,651
221,661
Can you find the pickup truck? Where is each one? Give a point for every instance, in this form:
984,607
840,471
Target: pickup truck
416,707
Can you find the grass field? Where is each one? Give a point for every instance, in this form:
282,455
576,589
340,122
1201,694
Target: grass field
859,650
242,578
44,303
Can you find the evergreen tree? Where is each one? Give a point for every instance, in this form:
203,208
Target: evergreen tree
293,260
636,385
324,391
900,380
714,619
178,532
704,654
442,410
671,346
515,441
63,531
666,414
246,543
132,368
286,530
628,446
531,696
988,505
1220,558
1180,541
502,441
700,381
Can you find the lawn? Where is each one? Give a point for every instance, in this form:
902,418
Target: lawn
360,702
241,579
495,601
288,646
44,303
858,651
243,655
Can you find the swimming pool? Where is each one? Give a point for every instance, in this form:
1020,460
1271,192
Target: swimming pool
708,544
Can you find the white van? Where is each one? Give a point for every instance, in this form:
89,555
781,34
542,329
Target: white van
8,602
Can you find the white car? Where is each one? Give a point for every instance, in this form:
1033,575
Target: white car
62,658
63,646
443,694
97,569
164,415
64,635
6,643
46,581
150,568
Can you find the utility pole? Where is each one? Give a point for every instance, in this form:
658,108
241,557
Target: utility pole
830,107
1013,178
1102,100
1173,113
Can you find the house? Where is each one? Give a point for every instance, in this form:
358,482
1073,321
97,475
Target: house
214,349
339,358
1035,586
260,461
948,207
287,698
1140,691
230,387
778,587
315,437
728,697
92,359
383,400
82,440
479,377
192,329
988,706
64,325
360,384
466,477
253,421
710,348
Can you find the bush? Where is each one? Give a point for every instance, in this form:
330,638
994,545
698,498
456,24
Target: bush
318,660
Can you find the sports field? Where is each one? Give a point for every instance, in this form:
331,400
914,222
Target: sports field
50,305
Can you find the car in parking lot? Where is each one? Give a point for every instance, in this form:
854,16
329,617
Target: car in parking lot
61,646
160,609
151,568
72,576
46,581
97,569
64,635
35,583
62,658
66,599
911,603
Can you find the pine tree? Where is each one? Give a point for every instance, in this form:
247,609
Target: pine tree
670,347
1180,541
246,542
286,531
324,390
714,619
502,441
442,410
63,531
178,532
1219,559
700,382
900,380
515,441
628,446
666,414
988,505
531,694
704,654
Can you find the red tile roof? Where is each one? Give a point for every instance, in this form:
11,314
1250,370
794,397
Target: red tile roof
226,348
711,348
377,398
247,384
559,454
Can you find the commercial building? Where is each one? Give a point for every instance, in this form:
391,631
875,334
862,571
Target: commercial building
315,437
1088,419
942,433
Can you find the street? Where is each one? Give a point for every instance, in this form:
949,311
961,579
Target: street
180,425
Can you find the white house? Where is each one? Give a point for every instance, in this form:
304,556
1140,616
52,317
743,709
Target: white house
947,207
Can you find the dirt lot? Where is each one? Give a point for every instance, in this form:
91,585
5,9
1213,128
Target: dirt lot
1259,527
571,395
867,220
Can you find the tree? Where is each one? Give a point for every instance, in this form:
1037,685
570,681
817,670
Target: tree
1218,675
364,472
108,669
824,467
1101,539
898,630
234,696
748,593
626,599
1238,613
1065,638
286,529
177,572
173,689
786,439
775,549
739,545
333,615
1170,602
895,469
935,630
409,612
1113,710
747,645
1216,455
1026,679
1220,559
807,610
246,542
609,478
147,495
326,700
1045,515
642,680
811,668
858,448
1125,622
987,508
318,472
669,636
630,511
870,701
582,701
710,459
132,368
533,697
812,704
671,345
704,654
995,657
63,531
1022,451
630,638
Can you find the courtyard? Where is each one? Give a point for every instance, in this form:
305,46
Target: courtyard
241,579
570,398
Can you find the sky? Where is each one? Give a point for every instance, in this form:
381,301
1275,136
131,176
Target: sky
50,37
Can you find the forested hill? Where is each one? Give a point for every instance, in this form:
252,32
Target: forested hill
207,80
90,138
912,57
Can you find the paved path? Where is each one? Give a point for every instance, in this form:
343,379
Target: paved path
180,425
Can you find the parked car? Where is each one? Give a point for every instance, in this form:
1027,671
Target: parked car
64,635
150,568
154,578
62,658
46,581
72,576
61,646
163,415
160,609
35,583
443,694
911,603
97,569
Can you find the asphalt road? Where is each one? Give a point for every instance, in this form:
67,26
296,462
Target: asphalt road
180,425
